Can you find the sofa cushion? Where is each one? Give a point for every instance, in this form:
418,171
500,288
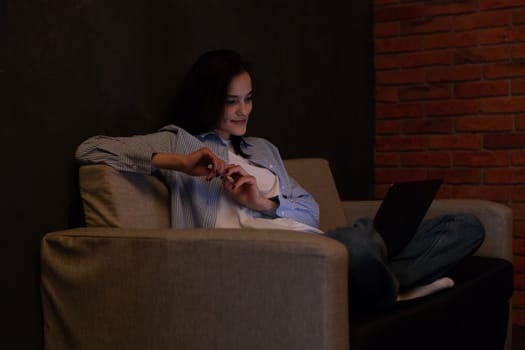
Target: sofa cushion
477,302
120,199
315,176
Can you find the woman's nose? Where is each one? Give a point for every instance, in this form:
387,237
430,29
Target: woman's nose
243,109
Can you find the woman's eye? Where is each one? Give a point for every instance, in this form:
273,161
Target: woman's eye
230,102
248,99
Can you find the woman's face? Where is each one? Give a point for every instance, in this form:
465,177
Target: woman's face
237,107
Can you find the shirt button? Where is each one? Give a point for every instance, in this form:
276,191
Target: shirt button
271,166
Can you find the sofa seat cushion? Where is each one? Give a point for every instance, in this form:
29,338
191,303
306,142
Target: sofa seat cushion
478,301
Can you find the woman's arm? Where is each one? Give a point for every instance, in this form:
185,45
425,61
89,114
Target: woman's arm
125,153
202,162
298,205
146,153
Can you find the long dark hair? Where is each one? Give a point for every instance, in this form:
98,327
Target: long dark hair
199,104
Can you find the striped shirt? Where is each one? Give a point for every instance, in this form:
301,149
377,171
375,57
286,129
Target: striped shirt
194,200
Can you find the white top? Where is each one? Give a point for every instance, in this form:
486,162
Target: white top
232,215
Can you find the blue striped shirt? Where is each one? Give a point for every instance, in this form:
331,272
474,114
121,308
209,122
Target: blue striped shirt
193,199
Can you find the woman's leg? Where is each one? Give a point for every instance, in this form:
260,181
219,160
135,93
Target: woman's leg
440,244
371,284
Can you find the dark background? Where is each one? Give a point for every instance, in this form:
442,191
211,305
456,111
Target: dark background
74,69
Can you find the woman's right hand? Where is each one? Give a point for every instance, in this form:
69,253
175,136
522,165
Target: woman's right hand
202,162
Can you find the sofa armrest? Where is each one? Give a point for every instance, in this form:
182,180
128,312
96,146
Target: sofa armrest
496,218
114,288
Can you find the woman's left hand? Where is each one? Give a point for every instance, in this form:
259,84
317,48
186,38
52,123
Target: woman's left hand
242,187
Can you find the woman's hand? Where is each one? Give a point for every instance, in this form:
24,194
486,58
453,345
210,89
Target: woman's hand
202,162
242,187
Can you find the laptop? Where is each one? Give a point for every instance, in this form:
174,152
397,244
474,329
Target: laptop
402,211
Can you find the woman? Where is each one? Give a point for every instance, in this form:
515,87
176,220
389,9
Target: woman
220,178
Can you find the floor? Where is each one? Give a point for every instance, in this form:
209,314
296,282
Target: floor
518,338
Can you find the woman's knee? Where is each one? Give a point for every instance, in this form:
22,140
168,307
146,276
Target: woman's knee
361,240
471,225
470,230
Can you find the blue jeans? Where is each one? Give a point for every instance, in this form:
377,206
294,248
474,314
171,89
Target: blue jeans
439,244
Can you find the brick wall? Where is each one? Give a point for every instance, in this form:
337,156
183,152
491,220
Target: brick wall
450,102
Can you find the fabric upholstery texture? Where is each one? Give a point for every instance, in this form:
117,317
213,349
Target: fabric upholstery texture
127,281
118,199
193,289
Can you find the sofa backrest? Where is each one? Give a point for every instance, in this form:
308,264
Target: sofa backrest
120,199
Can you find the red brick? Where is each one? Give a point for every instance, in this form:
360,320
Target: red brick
518,212
518,16
451,40
383,62
519,267
454,74
433,58
520,122
456,176
519,228
481,20
452,107
398,13
426,25
485,124
386,159
493,4
445,191
388,127
504,176
381,190
454,142
518,194
391,175
518,158
503,104
502,35
400,143
499,194
387,29
480,89
518,51
481,159
518,86
407,76
509,70
386,94
403,44
428,159
428,126
504,141
518,298
518,317
519,281
445,7
424,92
406,110
483,54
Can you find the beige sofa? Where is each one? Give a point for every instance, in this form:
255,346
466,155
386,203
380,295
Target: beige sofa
128,281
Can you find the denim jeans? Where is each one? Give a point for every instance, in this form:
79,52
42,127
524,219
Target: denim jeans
439,244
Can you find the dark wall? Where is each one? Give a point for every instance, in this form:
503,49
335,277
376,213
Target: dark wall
86,67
